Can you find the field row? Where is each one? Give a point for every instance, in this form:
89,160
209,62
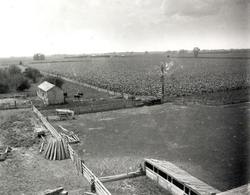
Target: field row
140,75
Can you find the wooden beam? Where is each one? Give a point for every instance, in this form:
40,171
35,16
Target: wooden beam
54,191
245,189
122,176
41,148
89,193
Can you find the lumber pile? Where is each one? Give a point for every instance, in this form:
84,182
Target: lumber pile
57,149
72,138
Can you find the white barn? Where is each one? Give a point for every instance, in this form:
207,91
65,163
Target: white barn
50,94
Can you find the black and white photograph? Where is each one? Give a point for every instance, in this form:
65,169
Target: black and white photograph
124,97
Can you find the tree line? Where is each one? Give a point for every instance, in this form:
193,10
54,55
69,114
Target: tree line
14,79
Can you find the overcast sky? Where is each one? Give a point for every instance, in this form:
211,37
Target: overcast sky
86,26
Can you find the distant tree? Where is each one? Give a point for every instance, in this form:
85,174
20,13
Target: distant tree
58,81
182,52
13,69
32,74
39,56
4,74
4,88
24,84
12,78
15,80
196,51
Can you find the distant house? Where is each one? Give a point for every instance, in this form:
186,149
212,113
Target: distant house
50,94
39,56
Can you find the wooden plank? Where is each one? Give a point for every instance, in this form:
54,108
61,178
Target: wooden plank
245,189
41,148
54,191
52,150
112,178
46,123
63,128
100,188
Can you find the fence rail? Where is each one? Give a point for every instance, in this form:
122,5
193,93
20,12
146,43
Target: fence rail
14,104
52,130
83,170
10,106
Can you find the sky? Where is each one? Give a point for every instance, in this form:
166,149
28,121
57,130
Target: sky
96,26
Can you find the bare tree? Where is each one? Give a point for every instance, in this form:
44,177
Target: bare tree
196,51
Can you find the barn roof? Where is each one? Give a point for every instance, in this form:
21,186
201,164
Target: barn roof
46,86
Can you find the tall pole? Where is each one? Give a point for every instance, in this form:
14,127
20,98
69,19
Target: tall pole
162,83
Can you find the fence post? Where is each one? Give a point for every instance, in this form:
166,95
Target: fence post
92,186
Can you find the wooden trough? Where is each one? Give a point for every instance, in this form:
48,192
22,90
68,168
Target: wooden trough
65,114
57,149
176,180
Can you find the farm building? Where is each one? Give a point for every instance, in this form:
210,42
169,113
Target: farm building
50,94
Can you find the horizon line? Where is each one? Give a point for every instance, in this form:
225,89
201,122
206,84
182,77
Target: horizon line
110,52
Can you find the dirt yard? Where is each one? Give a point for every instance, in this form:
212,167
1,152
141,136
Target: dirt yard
207,141
25,171
210,142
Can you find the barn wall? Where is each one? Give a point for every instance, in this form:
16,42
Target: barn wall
42,95
55,96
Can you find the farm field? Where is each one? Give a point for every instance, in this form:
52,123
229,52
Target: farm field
210,142
140,74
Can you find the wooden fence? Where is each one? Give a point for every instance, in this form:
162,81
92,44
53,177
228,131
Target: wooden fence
52,130
96,185
14,105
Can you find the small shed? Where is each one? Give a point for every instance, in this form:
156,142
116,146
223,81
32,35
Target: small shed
50,94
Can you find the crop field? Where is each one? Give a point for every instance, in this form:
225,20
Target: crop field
140,74
210,142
